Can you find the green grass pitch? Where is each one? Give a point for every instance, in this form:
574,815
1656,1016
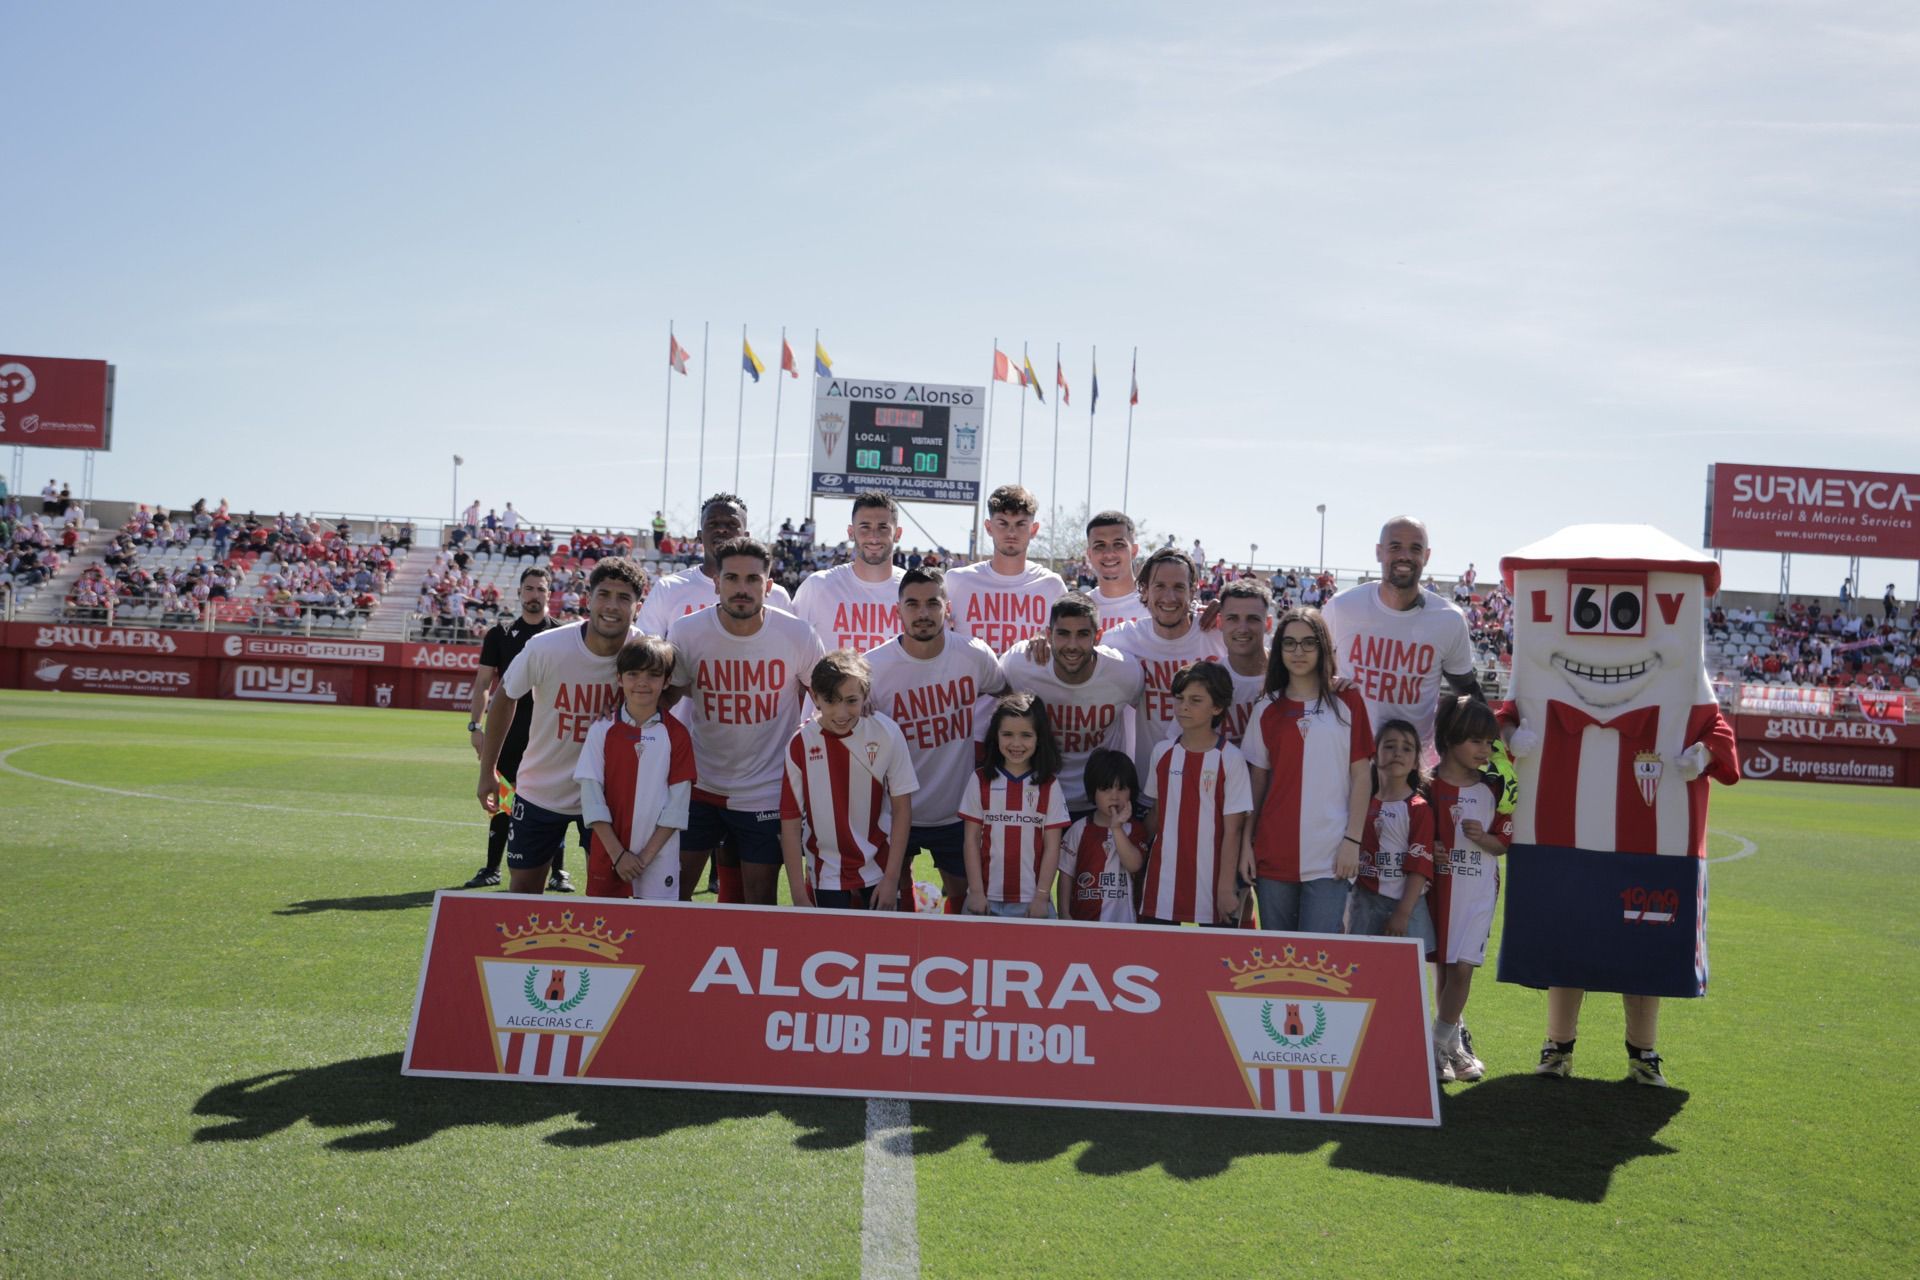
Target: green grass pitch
209,951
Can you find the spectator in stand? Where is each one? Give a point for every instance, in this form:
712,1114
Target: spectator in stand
1890,606
470,521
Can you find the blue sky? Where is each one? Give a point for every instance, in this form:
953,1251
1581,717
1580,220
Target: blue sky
1509,265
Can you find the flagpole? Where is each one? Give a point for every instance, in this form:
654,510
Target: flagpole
1053,486
740,409
1093,403
812,409
1020,461
773,471
986,451
700,471
1133,380
666,432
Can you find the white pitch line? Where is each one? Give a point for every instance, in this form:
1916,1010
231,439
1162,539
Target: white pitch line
889,1229
7,766
1746,850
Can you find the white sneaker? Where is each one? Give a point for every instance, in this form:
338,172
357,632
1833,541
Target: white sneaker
1466,1066
1443,1065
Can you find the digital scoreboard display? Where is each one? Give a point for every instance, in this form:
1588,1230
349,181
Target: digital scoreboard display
894,440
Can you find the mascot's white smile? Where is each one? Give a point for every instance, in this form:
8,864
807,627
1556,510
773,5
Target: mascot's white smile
1606,685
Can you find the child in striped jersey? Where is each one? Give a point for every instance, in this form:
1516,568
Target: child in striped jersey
1470,835
1202,796
1396,852
1014,809
1103,851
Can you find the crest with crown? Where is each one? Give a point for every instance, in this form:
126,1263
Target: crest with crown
566,933
1291,965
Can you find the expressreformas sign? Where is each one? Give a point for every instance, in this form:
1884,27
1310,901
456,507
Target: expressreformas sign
51,403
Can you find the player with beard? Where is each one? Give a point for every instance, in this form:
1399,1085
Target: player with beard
857,605
723,518
1162,644
928,680
503,643
1246,608
745,668
1087,689
569,674
1111,549
1396,641
1005,599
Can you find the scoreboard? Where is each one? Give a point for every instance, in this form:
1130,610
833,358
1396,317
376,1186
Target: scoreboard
917,441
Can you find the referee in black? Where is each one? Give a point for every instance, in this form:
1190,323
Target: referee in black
503,643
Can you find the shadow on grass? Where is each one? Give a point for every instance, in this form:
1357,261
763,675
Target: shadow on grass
1515,1134
363,1092
372,902
1511,1135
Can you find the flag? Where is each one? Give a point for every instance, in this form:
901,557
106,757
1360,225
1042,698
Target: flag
1032,379
1093,406
1005,370
676,354
1133,397
822,362
1060,381
458,460
788,365
749,362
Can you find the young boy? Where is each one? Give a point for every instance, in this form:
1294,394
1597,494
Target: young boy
1102,852
636,775
1202,797
850,780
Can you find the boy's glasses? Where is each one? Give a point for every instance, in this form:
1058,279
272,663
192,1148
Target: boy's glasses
1300,646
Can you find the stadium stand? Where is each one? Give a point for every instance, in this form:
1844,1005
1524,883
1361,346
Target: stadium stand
1807,645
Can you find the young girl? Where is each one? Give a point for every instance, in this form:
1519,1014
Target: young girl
1014,810
1469,833
1307,752
1396,859
636,775
1103,851
1198,781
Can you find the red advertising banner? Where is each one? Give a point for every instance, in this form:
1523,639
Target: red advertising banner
433,691
440,657
519,987
1803,729
303,649
112,673
1882,706
49,403
1871,766
1807,509
275,682
100,638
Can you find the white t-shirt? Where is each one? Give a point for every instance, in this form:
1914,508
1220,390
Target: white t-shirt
572,687
933,701
690,591
847,611
1002,609
1395,657
1118,610
1160,660
746,699
1084,716
1247,690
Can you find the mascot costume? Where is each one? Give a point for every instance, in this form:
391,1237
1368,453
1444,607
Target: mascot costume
1615,734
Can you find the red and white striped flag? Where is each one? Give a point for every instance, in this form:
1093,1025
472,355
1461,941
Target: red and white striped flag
1005,370
676,354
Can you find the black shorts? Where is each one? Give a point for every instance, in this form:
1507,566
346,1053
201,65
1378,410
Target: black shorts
842,899
947,843
756,836
537,834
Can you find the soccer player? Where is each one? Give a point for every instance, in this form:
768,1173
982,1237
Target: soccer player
1396,640
1005,599
1162,644
850,781
1111,549
569,673
1087,689
928,681
745,667
723,518
503,643
636,778
1203,794
857,605
1246,607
